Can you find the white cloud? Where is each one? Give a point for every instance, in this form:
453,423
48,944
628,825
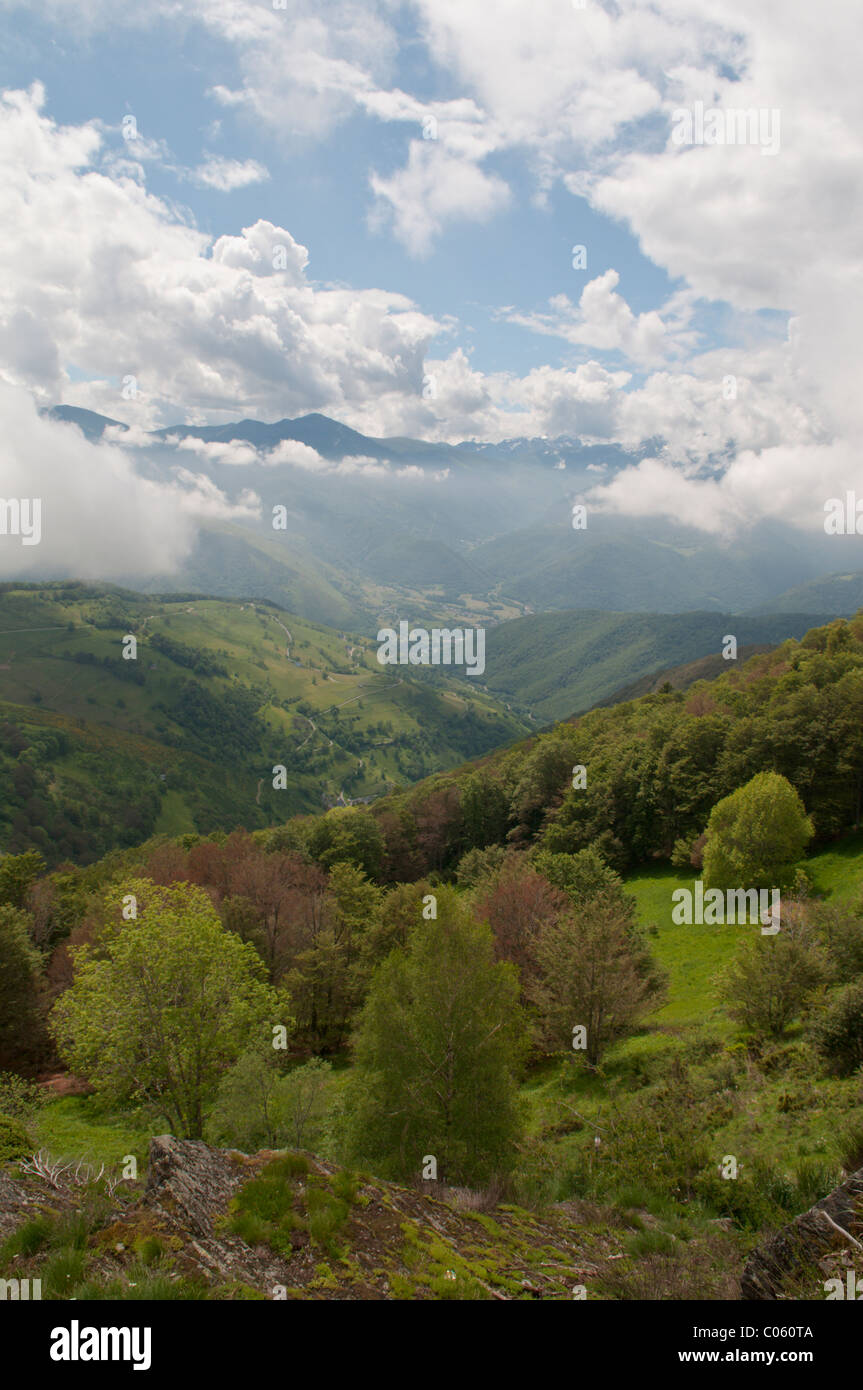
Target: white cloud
435,188
227,174
785,484
235,453
98,515
602,319
99,275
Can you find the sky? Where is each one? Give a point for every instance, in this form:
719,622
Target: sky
368,208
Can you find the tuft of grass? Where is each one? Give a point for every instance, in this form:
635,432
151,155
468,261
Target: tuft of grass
326,1215
652,1242
33,1235
62,1273
345,1185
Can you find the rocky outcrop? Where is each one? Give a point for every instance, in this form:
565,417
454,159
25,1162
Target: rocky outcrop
810,1248
189,1180
188,1191
321,1233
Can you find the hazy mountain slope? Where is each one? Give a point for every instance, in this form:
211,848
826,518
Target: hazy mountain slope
233,562
639,566
558,664
840,594
486,520
704,668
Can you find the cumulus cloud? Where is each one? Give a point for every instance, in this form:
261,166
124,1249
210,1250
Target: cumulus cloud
435,188
98,516
602,319
784,484
99,275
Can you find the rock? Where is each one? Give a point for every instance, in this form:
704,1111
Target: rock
800,1246
189,1180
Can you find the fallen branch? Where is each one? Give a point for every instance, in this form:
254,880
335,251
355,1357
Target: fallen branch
842,1231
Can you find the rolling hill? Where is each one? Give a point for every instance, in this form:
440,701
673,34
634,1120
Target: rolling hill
98,751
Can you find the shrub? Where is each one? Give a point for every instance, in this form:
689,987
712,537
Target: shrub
15,1142
838,1032
26,1240
19,1098
770,981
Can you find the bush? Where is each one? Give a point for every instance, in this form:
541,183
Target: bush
756,835
838,1032
841,931
770,981
19,1098
258,1106
15,1142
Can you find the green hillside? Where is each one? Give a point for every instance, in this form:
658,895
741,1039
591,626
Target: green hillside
841,594
100,751
556,664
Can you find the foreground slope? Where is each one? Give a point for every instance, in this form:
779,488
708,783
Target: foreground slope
195,1231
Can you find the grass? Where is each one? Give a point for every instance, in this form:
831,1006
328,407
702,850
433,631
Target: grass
692,955
791,1129
79,1127
837,873
272,1207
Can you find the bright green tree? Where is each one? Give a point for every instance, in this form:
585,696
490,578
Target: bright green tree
259,1106
581,876
756,836
163,1004
438,1049
350,835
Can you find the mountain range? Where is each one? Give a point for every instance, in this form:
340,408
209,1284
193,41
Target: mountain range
379,528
